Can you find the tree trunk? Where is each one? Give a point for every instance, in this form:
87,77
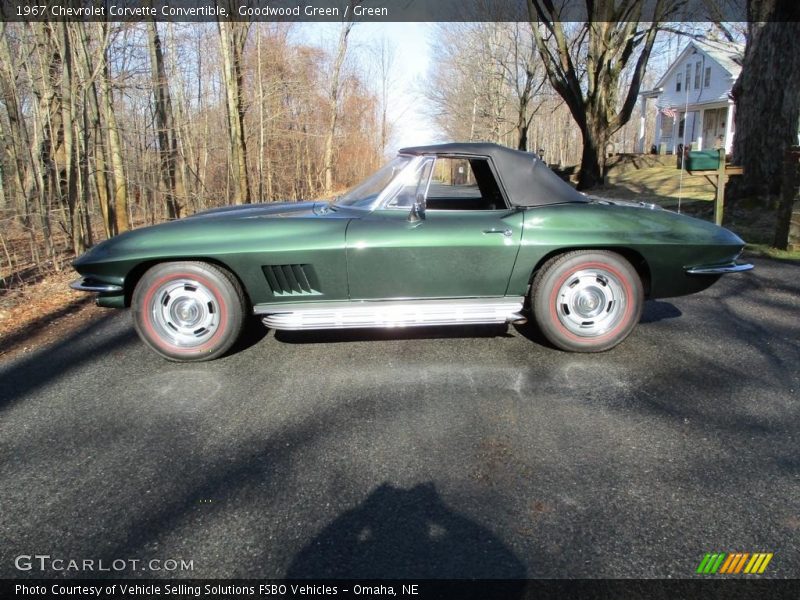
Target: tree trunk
592,157
767,97
165,123
333,106
260,76
47,125
19,146
87,68
232,39
71,162
120,184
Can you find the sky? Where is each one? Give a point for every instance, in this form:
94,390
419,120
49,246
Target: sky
412,60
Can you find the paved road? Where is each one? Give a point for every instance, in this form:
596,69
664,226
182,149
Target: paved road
469,452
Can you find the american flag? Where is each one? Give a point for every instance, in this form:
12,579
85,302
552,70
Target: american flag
667,111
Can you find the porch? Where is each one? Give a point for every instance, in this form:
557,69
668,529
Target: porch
700,126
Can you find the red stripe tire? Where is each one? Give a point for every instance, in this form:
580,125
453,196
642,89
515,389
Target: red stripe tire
587,300
188,311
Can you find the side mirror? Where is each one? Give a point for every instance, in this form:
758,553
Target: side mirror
417,209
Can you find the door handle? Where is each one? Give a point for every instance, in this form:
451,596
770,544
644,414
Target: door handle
506,232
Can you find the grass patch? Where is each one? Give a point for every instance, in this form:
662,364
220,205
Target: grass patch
768,251
659,184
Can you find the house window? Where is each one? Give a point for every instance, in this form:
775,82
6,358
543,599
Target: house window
707,80
697,67
688,76
678,82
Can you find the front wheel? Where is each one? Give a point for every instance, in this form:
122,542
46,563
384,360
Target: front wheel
587,301
188,311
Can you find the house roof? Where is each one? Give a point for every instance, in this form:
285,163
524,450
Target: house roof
727,55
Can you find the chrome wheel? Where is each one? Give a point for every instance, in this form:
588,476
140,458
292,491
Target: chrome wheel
590,302
185,312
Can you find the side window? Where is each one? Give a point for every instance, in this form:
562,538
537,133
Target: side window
464,184
678,82
412,184
697,68
707,80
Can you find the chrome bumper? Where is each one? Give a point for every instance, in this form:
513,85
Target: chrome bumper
86,284
719,270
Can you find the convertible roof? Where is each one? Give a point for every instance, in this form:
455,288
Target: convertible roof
526,178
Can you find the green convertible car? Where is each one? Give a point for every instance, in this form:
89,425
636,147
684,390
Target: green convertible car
449,234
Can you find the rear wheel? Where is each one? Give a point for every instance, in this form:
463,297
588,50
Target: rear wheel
587,301
188,311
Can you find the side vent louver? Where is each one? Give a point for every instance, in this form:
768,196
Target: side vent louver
291,280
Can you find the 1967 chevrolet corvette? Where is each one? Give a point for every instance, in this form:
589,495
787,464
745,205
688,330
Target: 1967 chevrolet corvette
449,234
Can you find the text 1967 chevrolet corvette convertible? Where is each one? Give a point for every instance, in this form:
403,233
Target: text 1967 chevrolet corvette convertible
449,234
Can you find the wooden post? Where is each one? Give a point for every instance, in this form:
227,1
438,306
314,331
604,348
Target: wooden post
719,203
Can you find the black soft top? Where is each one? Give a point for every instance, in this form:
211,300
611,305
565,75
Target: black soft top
526,179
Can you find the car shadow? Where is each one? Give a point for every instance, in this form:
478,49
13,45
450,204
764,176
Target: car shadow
658,310
333,336
399,534
253,332
531,332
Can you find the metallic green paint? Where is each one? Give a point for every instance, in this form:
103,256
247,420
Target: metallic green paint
667,242
356,254
448,254
242,239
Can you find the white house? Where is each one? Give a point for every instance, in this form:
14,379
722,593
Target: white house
693,98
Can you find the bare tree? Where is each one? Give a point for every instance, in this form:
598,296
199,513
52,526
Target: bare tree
120,184
71,142
585,68
170,158
87,64
488,83
233,37
521,69
333,104
384,57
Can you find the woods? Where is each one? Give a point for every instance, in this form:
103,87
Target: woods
110,126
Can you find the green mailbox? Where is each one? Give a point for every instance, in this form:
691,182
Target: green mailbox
702,160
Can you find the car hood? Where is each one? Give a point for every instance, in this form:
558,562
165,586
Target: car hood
271,209
224,230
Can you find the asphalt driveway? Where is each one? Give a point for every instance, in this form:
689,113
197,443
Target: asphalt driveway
422,453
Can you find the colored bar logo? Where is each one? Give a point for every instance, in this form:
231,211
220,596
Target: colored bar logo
734,563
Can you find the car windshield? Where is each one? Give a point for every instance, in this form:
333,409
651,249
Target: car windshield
364,194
